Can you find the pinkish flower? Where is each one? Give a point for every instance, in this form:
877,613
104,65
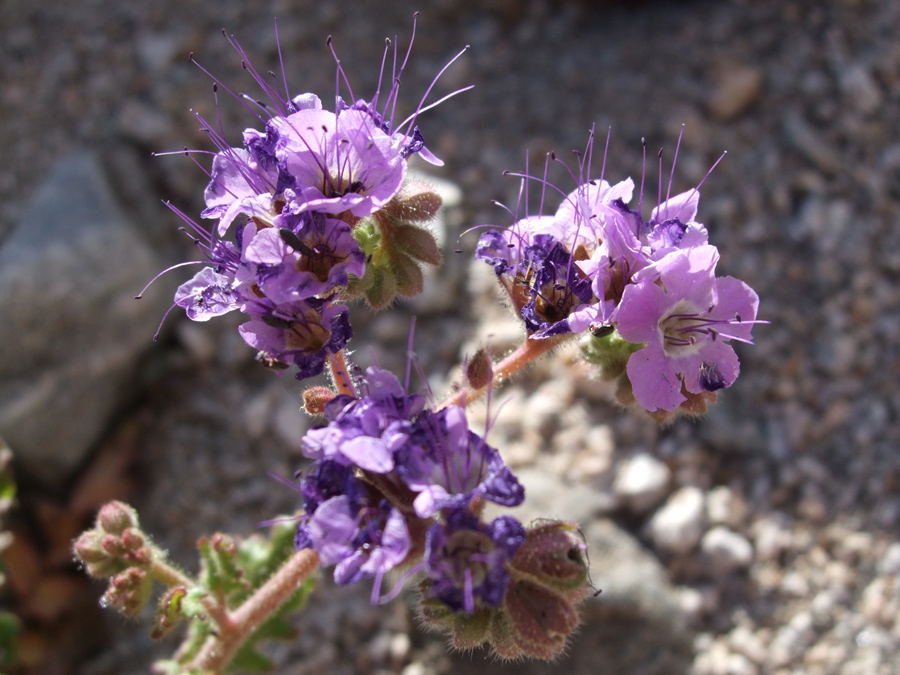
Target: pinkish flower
685,320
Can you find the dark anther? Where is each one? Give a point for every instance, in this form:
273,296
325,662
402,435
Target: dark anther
292,240
275,322
355,187
602,331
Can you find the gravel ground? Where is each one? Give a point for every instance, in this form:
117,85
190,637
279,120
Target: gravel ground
761,538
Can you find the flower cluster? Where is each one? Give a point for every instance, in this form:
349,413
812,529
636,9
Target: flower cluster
645,290
398,486
388,472
321,211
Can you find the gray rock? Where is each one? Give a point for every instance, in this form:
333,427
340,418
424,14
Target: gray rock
72,330
549,496
861,89
679,524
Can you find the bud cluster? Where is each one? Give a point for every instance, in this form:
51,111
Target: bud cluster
116,549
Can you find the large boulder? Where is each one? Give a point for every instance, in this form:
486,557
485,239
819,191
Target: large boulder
71,331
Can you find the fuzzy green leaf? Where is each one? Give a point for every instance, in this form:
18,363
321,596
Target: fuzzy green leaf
9,631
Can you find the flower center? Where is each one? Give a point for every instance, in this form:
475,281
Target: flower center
685,328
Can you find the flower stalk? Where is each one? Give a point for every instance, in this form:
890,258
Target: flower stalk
524,355
236,626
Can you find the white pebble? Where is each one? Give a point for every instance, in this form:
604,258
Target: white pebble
679,524
726,549
642,481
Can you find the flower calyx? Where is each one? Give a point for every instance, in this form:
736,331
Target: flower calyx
547,578
396,245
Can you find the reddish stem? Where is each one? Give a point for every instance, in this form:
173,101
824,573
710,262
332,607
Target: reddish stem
340,375
233,632
527,352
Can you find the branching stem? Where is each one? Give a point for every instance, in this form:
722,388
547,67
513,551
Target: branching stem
166,573
219,649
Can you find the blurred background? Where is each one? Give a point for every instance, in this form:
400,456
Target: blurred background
761,538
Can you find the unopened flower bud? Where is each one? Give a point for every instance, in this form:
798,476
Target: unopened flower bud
115,516
128,592
315,399
479,371
553,556
132,539
540,622
112,545
88,549
416,202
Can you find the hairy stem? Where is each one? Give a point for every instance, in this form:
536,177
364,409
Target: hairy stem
339,373
166,573
528,352
239,624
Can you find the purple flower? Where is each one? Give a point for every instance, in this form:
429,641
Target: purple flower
449,466
349,525
505,250
558,288
366,432
304,332
685,318
239,184
208,294
583,217
302,257
340,163
466,559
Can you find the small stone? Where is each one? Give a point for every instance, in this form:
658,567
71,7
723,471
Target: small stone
726,550
791,640
400,646
739,88
642,481
771,538
744,641
861,89
416,668
890,562
679,524
795,584
145,125
724,507
290,422
812,145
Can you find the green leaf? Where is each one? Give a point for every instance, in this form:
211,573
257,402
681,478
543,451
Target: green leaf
222,575
9,631
169,612
249,660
